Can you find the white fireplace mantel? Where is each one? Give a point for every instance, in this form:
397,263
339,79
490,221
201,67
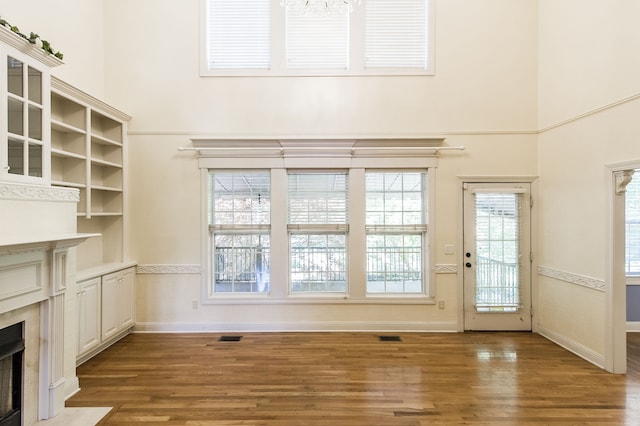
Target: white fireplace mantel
34,270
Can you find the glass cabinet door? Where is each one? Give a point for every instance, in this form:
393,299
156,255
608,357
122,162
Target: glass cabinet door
25,120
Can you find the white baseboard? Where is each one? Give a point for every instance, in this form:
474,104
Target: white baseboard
577,348
71,387
324,326
633,326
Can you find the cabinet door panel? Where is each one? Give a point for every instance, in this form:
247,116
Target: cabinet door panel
110,308
88,315
127,298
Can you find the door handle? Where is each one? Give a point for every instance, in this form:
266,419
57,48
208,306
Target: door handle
468,264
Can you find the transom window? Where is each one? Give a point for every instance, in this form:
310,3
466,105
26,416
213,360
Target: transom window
263,37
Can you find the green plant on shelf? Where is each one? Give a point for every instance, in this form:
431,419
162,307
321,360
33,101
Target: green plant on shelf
33,39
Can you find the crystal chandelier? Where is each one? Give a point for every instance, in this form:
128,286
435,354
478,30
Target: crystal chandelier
321,7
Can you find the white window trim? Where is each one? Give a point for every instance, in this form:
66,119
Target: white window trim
356,48
283,155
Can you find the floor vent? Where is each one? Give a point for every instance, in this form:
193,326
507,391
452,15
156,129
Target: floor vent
230,338
390,338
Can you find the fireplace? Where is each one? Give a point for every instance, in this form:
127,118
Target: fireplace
11,378
37,267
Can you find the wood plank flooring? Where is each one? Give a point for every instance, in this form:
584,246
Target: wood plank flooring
355,379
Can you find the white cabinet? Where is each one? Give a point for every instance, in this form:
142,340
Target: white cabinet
25,109
89,315
118,295
106,309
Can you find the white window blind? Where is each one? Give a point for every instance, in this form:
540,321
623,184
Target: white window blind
240,198
238,34
317,42
396,33
318,198
632,231
497,251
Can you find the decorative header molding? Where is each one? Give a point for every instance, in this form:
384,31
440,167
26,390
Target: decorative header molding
592,283
168,269
10,191
446,269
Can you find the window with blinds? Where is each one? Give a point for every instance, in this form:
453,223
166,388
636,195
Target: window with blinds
396,33
263,37
318,225
396,228
239,227
317,41
497,224
632,226
238,34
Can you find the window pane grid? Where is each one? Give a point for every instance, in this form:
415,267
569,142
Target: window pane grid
239,220
632,226
497,252
394,263
318,262
396,226
240,198
241,263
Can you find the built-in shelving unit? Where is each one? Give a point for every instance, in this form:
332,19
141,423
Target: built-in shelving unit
88,152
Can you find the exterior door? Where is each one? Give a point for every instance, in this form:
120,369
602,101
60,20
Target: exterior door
497,256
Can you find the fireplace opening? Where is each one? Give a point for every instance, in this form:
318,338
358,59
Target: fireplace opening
11,355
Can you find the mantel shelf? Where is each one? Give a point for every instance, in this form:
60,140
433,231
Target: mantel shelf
43,241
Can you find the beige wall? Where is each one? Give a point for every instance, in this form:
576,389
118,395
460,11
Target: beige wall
589,104
73,27
483,98
504,69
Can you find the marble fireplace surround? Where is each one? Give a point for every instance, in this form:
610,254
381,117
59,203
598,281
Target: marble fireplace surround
37,233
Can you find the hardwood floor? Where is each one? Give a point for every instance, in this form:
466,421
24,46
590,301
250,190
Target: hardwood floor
355,379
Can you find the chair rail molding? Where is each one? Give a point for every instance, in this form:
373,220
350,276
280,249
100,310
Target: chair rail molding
581,280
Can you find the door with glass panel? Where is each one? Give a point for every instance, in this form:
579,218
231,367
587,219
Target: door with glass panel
497,256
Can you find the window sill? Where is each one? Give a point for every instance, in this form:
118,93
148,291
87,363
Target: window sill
318,300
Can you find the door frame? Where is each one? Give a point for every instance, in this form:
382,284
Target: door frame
532,180
615,355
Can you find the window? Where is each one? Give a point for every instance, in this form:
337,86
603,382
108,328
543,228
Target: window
396,229
239,226
262,37
238,34
318,221
632,231
318,232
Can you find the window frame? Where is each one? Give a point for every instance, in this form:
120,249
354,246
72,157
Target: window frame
354,156
422,230
313,228
237,229
356,47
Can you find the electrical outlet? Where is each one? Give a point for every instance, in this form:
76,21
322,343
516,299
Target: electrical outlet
194,304
441,304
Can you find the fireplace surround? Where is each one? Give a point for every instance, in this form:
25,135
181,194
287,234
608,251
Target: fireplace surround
37,268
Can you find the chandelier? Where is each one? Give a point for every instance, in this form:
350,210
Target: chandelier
321,7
